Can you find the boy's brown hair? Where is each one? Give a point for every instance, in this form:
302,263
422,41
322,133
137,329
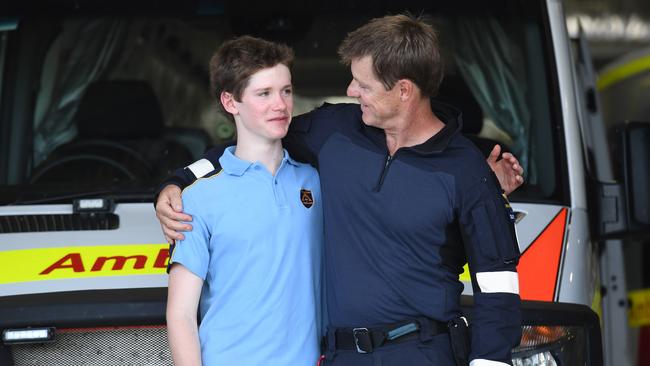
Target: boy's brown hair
401,47
238,59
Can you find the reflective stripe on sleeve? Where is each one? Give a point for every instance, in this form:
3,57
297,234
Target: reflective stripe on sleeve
201,167
482,362
493,282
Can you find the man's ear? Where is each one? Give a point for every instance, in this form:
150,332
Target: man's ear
407,89
228,102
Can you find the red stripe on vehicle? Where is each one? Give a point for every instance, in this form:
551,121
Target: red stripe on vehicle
539,265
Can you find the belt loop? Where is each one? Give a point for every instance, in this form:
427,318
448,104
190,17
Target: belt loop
425,329
331,340
329,346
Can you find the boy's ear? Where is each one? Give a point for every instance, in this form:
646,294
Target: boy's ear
228,102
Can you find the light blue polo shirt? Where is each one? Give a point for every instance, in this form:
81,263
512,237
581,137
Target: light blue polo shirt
256,242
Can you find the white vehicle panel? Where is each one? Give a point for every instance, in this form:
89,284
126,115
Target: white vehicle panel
138,236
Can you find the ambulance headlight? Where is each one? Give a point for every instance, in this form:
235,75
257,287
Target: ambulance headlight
28,335
92,205
551,346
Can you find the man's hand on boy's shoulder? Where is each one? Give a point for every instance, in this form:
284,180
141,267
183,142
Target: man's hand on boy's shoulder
169,210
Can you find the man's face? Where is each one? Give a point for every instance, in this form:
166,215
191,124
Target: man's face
379,106
266,104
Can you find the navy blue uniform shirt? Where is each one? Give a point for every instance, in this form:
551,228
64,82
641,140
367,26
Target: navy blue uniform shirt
398,229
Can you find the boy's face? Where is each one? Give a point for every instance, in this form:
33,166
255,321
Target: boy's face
266,104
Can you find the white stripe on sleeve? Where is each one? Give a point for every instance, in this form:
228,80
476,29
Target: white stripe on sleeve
201,167
482,362
493,282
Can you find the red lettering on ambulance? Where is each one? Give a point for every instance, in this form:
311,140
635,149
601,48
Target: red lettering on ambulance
161,259
119,262
75,263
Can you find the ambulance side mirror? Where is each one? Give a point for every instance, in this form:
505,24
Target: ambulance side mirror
624,206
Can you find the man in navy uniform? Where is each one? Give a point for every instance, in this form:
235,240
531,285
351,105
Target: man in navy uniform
407,201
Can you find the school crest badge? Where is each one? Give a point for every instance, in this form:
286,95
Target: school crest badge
306,198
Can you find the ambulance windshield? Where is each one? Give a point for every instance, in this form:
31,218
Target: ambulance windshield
116,103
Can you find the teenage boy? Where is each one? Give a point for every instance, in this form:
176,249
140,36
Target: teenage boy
251,266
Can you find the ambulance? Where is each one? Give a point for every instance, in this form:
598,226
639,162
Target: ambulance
100,100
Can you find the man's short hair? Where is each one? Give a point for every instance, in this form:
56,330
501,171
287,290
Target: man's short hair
238,59
401,47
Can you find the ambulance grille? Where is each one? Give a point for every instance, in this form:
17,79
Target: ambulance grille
142,346
67,222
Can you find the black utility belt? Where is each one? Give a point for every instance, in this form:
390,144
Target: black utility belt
365,340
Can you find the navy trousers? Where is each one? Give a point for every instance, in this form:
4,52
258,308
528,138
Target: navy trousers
415,352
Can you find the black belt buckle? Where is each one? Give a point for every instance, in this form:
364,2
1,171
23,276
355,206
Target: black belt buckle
362,340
